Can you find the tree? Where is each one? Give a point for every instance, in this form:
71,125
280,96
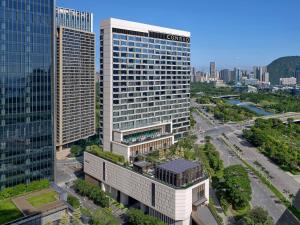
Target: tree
73,201
103,217
257,216
76,216
235,187
65,220
76,150
49,223
137,217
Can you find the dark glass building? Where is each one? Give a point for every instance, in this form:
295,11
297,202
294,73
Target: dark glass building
26,90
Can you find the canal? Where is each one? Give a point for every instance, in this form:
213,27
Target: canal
250,106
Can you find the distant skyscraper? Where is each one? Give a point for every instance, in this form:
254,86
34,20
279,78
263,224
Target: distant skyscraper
193,74
26,90
265,77
259,73
225,75
297,75
237,75
75,95
213,72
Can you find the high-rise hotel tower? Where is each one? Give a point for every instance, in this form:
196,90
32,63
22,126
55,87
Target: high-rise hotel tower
26,90
75,93
144,86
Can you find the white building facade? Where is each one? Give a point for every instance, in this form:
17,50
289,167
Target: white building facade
173,205
144,81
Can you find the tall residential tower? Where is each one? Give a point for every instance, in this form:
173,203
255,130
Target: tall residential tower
213,70
144,86
26,90
75,96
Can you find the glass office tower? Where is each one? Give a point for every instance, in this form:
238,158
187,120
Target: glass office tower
26,88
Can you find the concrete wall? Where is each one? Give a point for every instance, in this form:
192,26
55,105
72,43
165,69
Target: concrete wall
174,203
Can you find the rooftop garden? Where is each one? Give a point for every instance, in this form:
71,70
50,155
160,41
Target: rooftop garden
23,188
42,199
98,151
8,210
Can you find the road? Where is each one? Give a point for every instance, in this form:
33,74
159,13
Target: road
282,180
261,195
66,170
288,184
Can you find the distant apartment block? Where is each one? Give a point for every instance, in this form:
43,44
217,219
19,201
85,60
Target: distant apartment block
261,74
297,75
75,81
288,81
213,71
144,86
226,75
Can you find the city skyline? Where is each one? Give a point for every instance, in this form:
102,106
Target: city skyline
234,34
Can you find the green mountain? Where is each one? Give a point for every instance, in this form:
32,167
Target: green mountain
283,67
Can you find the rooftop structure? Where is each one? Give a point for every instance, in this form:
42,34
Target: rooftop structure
74,19
182,184
178,165
36,207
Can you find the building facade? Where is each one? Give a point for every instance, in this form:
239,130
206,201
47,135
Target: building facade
288,81
172,191
75,81
213,70
144,85
26,90
226,76
297,75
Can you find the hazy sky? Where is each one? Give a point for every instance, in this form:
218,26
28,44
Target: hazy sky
238,33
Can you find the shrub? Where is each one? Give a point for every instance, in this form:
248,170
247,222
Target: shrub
76,150
224,204
96,150
22,188
257,216
92,191
235,187
73,201
137,217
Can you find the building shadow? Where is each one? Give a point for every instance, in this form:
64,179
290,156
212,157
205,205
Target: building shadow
296,202
287,218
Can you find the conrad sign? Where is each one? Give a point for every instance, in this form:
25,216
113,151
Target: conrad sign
170,37
178,38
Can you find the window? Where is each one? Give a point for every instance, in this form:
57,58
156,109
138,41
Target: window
153,194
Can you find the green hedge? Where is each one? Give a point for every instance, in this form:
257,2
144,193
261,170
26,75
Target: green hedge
137,217
73,201
96,150
92,191
23,188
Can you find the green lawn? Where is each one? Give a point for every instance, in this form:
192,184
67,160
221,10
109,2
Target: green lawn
43,199
8,211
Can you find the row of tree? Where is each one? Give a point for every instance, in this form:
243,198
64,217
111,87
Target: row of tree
92,191
278,141
226,112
